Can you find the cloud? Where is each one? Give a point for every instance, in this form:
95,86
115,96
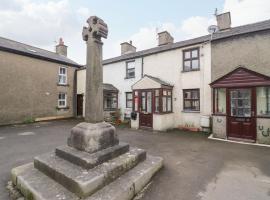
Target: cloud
145,38
242,12
247,11
196,26
40,24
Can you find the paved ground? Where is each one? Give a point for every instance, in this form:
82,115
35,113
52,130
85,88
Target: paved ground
195,167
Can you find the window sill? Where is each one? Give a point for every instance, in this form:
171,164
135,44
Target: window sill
190,111
261,116
192,70
162,113
62,108
219,114
129,77
64,85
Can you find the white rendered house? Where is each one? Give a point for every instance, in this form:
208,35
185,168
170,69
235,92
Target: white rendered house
167,86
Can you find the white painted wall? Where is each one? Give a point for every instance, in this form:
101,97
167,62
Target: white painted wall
168,67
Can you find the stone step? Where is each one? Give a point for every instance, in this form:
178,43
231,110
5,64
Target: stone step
35,185
131,183
87,160
85,182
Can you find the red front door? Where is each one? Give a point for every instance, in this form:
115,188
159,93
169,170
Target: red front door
241,113
146,109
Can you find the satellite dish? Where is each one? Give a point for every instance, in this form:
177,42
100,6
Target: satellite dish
212,29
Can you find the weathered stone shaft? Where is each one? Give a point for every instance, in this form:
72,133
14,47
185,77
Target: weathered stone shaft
94,82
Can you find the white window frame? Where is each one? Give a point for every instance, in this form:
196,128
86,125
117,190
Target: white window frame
130,68
62,100
62,75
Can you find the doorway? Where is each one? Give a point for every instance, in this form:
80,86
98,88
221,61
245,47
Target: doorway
79,105
146,109
241,113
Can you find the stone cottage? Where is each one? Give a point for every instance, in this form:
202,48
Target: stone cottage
35,84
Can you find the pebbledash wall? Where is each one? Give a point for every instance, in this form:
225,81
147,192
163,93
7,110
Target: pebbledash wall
29,89
253,52
167,66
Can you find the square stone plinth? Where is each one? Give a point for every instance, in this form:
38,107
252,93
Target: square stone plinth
93,137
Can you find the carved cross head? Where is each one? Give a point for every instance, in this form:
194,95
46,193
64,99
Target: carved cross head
97,29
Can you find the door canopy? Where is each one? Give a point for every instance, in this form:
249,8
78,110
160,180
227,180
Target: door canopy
241,77
150,82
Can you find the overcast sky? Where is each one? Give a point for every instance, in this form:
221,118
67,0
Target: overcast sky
41,22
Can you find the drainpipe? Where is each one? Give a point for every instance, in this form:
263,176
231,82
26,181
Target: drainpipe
142,68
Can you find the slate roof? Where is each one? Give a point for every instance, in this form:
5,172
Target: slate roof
235,31
158,80
27,50
109,87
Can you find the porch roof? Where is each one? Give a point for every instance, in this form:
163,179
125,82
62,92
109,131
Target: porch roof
241,77
151,82
109,88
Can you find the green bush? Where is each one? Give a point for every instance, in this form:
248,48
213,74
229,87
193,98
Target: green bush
28,120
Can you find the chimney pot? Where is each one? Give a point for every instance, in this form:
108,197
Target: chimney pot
164,38
61,48
224,21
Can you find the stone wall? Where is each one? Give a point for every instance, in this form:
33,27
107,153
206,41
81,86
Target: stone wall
29,89
219,127
263,131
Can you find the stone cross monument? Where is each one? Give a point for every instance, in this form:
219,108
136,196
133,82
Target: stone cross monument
94,134
92,34
90,165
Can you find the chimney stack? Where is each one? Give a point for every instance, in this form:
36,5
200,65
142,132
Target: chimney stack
164,38
61,48
224,21
127,48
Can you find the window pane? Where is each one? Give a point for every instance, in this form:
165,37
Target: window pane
195,64
129,104
164,92
164,104
136,104
156,92
195,94
129,95
196,105
187,104
194,53
149,102
169,104
187,54
263,101
156,104
220,100
187,94
143,103
187,65
131,65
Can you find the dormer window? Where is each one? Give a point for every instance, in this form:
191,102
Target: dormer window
62,77
130,69
191,60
